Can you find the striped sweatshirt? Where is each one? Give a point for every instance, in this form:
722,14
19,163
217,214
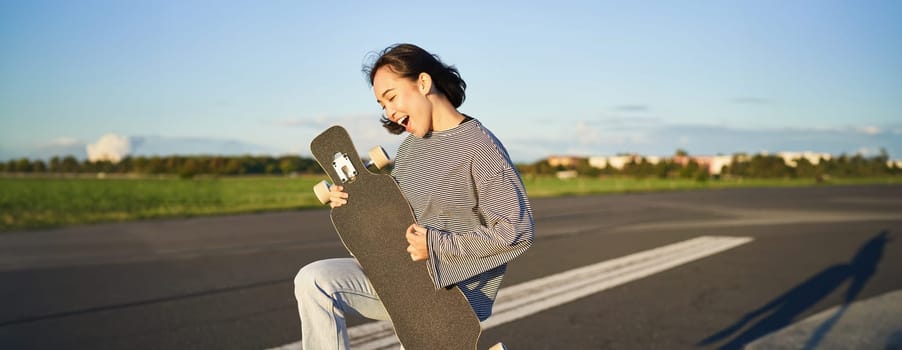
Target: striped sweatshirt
465,191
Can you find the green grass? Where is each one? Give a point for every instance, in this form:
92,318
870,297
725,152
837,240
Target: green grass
27,203
30,203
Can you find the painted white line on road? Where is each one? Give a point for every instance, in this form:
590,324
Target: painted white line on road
531,297
537,295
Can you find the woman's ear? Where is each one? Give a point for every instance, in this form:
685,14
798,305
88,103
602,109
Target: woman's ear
424,84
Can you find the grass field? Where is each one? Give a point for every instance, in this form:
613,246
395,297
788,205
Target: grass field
45,202
30,203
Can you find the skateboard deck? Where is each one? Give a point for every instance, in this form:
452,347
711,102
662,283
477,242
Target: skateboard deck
372,227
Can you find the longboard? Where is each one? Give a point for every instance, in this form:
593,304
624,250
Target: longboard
372,228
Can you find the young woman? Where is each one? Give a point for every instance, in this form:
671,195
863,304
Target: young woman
471,208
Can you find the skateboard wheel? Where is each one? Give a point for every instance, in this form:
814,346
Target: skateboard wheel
321,190
379,157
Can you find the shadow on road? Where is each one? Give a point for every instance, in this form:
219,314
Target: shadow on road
784,309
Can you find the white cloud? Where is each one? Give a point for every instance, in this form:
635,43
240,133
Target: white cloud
110,147
632,108
586,135
605,136
869,130
46,149
663,139
63,142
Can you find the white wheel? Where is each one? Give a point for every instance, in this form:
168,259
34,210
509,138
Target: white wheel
499,346
322,191
379,157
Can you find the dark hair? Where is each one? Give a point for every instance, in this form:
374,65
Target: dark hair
409,61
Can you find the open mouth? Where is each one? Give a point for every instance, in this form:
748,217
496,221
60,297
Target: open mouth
403,121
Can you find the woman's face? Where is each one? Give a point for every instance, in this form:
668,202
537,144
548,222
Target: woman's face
403,100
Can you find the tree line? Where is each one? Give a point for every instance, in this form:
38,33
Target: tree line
184,166
755,166
742,166
760,166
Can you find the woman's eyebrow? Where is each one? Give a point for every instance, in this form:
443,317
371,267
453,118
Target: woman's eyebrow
383,95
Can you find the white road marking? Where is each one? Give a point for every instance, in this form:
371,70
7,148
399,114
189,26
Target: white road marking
534,296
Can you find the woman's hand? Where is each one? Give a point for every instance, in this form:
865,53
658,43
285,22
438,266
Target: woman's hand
337,198
416,237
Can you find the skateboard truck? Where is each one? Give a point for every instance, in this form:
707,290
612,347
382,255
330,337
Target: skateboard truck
346,171
343,167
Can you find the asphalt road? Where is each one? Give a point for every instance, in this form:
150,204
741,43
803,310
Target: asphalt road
225,282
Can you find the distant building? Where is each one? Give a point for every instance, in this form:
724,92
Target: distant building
654,159
616,162
567,174
714,164
565,161
742,157
792,158
717,164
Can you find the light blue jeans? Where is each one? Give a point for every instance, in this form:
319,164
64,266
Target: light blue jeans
326,291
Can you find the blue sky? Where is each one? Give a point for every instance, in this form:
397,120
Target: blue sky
583,78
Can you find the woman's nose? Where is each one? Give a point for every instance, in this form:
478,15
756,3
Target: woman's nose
390,114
